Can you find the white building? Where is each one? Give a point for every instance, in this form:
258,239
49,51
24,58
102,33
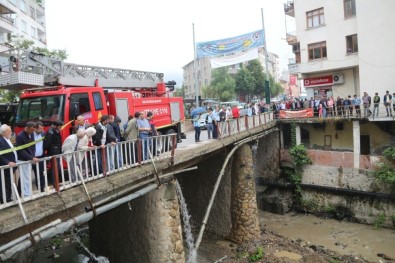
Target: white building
343,47
22,18
203,66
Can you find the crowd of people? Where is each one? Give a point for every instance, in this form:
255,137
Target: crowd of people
349,106
32,144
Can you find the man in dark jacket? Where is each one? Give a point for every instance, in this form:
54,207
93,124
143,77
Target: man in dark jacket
26,154
9,158
53,146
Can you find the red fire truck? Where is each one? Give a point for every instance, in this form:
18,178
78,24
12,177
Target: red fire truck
54,90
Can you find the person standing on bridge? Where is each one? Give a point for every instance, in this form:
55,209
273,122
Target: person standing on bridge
26,154
70,147
9,158
111,140
38,168
100,140
235,112
53,146
144,130
132,133
196,125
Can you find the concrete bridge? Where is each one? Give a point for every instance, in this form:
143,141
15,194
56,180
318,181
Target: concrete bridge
219,190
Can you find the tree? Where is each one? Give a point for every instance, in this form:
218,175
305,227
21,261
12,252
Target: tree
222,85
20,43
245,84
251,81
256,70
179,92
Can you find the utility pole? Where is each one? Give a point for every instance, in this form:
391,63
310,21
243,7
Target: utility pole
195,68
267,84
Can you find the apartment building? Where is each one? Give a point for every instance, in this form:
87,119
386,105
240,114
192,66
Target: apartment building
203,68
23,18
343,47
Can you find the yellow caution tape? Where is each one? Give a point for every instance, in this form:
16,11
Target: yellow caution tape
27,145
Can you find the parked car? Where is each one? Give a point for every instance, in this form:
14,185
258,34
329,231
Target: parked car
202,121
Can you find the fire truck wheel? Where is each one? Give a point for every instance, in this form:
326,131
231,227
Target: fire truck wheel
171,131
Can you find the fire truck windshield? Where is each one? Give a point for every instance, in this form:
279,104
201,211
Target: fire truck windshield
46,109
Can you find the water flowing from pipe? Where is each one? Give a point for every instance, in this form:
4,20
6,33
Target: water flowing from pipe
92,257
187,226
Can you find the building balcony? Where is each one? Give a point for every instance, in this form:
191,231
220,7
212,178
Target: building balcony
292,38
293,68
7,24
289,8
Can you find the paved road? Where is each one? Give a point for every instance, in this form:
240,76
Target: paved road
189,142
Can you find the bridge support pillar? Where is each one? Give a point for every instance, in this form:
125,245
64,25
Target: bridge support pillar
148,229
298,134
356,135
244,209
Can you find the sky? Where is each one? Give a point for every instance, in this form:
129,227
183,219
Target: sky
157,35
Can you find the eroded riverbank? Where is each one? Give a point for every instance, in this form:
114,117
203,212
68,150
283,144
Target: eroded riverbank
342,237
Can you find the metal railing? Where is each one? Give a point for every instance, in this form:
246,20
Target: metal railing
342,112
60,172
244,123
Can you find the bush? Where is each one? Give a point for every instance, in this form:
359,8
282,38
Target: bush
299,155
389,153
385,173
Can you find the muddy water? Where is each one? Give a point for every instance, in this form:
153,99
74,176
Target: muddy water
342,237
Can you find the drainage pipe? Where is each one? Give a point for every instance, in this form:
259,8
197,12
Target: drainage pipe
20,239
110,198
81,219
216,186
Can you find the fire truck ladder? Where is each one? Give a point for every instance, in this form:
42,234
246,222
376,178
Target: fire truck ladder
27,69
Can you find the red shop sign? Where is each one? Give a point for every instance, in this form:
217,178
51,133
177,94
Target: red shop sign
318,81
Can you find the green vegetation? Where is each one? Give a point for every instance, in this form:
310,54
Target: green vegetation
257,255
380,220
329,209
385,171
253,256
56,241
334,260
248,83
299,158
25,44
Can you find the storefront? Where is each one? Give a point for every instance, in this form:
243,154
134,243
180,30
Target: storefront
319,86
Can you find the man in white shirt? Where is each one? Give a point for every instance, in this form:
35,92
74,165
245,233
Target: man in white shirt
38,168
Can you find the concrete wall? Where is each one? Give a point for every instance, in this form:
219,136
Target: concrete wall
330,171
149,230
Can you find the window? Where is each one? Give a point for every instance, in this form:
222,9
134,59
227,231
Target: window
349,8
23,26
97,100
315,18
13,2
23,6
32,13
34,32
352,44
317,50
79,104
45,108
